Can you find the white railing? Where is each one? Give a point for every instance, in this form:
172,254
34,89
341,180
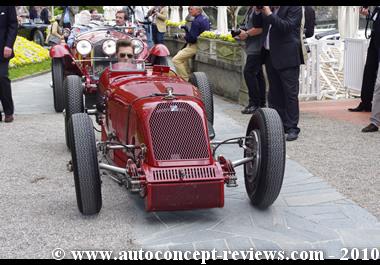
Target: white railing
325,74
355,52
309,76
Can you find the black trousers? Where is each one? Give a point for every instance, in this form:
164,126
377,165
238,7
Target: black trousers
283,93
5,89
254,78
370,73
158,37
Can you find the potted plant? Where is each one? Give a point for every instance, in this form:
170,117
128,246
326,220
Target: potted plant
173,27
207,43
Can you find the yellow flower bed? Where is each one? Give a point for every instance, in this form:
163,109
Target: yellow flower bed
212,35
27,52
227,37
209,35
170,23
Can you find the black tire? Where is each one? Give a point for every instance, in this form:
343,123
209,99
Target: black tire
57,72
160,60
200,80
73,100
85,164
264,175
38,37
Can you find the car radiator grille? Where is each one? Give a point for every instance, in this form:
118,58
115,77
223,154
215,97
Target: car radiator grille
195,173
178,133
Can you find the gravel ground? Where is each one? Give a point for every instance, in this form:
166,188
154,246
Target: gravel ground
338,152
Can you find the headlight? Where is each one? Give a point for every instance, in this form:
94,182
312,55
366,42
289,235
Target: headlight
84,47
109,47
139,46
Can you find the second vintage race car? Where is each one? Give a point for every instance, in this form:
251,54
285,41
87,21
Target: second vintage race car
157,140
82,64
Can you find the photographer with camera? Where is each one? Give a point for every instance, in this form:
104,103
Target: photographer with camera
372,61
251,31
198,25
159,16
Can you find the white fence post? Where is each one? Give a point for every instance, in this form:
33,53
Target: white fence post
355,53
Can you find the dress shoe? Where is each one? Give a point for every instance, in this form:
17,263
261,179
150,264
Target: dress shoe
250,109
361,107
370,128
291,136
8,118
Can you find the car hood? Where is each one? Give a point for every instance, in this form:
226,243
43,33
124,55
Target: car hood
141,87
100,34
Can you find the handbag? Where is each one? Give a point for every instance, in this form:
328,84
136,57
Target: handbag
53,40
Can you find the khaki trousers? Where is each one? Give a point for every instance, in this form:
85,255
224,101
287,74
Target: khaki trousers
181,60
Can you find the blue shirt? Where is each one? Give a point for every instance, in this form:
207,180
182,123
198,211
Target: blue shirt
75,31
199,24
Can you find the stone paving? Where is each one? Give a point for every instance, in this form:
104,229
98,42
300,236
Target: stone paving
309,213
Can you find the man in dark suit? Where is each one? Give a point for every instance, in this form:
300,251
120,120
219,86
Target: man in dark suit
8,33
372,61
282,54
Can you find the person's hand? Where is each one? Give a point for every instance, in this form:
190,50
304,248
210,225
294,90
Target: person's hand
266,11
363,11
7,52
243,35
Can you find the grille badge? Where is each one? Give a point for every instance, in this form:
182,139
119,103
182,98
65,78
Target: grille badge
173,108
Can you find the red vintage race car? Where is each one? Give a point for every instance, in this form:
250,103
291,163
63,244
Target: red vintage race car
157,140
90,54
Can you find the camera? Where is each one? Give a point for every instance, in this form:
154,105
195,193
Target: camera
236,32
185,28
365,7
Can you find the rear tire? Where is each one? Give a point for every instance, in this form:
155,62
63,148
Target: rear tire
200,80
57,71
38,37
73,100
264,175
85,164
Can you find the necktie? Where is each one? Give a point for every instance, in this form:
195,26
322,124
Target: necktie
266,43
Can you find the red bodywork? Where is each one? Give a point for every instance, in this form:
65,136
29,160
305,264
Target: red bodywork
178,171
96,38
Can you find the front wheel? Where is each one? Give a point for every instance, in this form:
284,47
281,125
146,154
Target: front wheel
85,164
200,80
73,100
264,175
57,71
